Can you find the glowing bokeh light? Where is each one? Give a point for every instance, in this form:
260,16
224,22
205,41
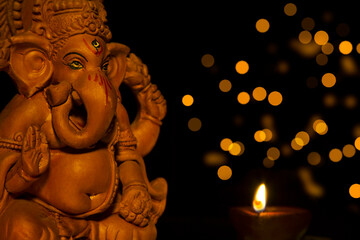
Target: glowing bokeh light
275,98
345,47
330,100
194,124
320,127
236,148
358,48
224,172
260,136
214,159
302,138
262,25
207,60
268,133
290,9
268,163
328,80
314,158
335,155
242,67
321,37
225,144
283,67
349,150
327,48
188,100
356,130
350,101
305,37
273,153
349,65
259,94
354,190
225,85
308,23
321,59
243,98
286,150
357,143
295,146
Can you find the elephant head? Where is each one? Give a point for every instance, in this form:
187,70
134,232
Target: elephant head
80,83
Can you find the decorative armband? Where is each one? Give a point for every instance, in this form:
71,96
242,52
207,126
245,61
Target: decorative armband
135,184
151,118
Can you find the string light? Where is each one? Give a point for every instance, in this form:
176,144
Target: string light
207,60
354,190
224,172
268,134
308,23
242,67
321,59
225,85
302,138
327,48
305,37
194,124
262,25
188,100
312,45
268,163
295,145
357,143
314,158
320,127
321,37
273,153
349,151
328,80
345,47
260,136
358,48
275,98
236,148
243,98
290,9
259,94
335,155
225,144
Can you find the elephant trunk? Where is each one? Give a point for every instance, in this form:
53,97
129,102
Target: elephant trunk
86,115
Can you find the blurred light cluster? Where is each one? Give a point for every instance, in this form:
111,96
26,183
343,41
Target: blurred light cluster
315,44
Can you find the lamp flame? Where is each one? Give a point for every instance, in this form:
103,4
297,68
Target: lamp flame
259,202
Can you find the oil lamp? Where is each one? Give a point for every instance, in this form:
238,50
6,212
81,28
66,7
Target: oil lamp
275,222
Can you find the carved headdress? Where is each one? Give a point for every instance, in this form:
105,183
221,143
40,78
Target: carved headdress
56,20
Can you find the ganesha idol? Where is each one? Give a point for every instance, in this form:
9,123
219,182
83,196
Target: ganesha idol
71,162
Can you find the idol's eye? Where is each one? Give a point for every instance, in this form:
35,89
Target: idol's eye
76,65
105,66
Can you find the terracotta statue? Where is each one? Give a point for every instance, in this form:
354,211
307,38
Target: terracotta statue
71,163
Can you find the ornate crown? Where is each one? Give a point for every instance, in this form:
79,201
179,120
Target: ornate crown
56,20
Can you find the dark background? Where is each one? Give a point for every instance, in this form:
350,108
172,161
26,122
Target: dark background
171,38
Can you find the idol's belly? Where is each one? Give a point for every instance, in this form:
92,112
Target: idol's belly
77,183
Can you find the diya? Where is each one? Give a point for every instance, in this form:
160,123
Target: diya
264,223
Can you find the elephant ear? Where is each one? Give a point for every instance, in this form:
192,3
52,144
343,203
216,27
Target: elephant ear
30,66
117,64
